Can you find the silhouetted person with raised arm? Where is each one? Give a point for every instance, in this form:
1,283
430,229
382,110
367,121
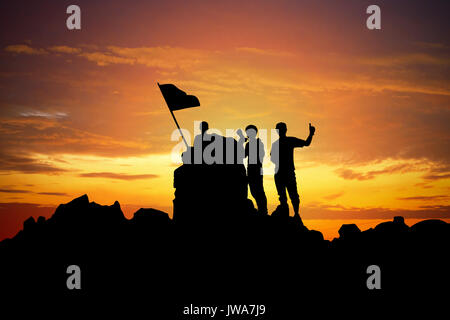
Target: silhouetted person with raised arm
282,155
254,152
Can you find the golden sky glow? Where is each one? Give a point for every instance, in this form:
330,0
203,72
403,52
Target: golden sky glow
81,111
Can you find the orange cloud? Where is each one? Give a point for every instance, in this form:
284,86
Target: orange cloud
25,49
407,59
25,164
14,191
334,196
53,194
163,57
64,49
265,52
322,211
210,71
120,176
425,198
104,59
350,174
41,114
439,172
3,190
55,136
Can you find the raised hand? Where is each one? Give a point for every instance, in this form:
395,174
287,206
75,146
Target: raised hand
312,129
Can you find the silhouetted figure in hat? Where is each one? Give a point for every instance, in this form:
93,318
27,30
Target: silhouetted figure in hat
282,155
254,152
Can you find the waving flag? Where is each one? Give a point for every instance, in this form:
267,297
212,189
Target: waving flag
177,99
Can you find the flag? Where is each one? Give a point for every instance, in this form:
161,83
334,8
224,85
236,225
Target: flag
177,99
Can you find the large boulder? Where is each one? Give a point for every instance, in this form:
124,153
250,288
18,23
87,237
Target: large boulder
208,193
349,231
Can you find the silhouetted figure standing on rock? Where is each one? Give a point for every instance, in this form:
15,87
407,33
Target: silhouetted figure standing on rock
254,152
282,155
200,142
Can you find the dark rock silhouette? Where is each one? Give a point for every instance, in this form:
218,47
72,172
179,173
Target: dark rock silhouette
209,193
219,252
348,231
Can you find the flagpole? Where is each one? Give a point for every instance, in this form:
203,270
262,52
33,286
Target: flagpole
175,119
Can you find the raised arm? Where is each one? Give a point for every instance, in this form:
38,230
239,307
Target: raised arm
305,143
312,130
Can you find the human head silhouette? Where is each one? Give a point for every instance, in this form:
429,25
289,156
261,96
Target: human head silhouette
251,131
282,129
204,127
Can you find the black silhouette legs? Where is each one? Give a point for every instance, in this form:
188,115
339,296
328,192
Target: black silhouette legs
286,180
255,182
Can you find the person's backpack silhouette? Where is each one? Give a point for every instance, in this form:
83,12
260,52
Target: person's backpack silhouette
282,155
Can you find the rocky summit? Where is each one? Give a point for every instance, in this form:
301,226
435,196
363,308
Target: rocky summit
219,249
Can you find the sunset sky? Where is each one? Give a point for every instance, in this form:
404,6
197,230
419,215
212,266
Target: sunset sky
80,111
